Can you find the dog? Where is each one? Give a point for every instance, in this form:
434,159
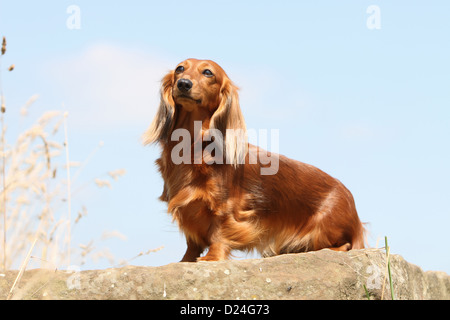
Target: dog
228,204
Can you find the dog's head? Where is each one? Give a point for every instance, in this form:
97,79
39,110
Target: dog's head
195,84
198,84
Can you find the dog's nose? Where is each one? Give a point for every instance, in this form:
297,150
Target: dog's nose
184,85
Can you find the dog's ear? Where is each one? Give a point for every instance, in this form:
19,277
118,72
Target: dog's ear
229,120
162,125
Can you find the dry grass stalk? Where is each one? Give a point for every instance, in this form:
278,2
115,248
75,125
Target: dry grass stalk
140,254
3,191
24,109
32,194
22,269
85,162
69,196
30,167
3,46
3,110
113,234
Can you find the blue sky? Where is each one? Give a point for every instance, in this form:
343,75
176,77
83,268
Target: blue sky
370,107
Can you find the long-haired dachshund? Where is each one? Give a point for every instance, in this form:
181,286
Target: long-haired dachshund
229,204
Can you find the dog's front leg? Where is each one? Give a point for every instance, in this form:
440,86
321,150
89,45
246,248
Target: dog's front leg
217,251
193,251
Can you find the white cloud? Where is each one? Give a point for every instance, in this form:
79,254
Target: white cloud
110,86
358,131
107,86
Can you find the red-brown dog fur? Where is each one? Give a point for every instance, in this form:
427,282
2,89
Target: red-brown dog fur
232,206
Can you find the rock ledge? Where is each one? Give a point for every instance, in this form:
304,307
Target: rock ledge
323,274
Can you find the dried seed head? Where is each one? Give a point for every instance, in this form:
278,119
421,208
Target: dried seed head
81,214
102,183
11,68
117,173
4,46
3,109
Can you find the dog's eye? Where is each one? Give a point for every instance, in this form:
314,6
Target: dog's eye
207,73
179,69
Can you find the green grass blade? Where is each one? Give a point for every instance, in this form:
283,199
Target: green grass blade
367,292
389,268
